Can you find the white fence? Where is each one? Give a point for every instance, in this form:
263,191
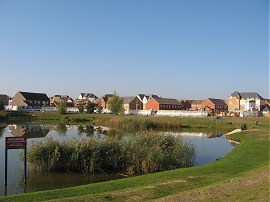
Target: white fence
168,113
72,109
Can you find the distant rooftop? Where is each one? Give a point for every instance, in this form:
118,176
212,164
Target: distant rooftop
246,95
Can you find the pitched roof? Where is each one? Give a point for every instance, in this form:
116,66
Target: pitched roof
186,101
236,94
168,101
128,99
250,95
266,108
141,96
198,102
34,96
246,95
61,96
89,95
217,101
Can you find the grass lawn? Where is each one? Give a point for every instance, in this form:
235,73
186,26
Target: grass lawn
241,175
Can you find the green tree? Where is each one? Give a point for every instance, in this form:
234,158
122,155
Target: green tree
116,104
81,109
62,108
1,105
99,109
90,107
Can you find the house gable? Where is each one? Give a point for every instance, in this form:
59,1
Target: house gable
24,99
132,103
216,104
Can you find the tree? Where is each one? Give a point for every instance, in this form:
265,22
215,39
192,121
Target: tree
81,109
62,108
99,109
116,104
2,105
90,107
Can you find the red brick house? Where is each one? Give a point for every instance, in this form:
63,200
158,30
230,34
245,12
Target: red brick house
55,100
197,105
164,104
26,99
215,105
104,101
132,103
187,104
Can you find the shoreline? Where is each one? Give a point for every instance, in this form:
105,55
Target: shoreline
234,131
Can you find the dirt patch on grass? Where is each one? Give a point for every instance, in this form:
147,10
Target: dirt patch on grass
254,186
173,181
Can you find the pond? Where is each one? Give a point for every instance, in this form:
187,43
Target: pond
209,147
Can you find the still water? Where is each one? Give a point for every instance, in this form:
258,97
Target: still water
209,147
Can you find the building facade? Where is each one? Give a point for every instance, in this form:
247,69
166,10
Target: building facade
132,103
164,104
245,101
27,99
215,105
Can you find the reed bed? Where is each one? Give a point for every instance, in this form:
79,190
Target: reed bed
145,153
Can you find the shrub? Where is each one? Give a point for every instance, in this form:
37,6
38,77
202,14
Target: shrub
244,126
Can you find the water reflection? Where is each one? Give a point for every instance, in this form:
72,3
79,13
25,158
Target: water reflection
209,146
29,131
61,128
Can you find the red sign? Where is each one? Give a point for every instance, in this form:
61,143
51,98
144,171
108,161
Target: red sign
15,143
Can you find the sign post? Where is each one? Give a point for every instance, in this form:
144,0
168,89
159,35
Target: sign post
15,143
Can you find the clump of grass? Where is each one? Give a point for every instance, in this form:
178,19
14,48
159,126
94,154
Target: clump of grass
244,126
145,153
152,153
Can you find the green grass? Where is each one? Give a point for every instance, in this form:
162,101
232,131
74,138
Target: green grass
251,155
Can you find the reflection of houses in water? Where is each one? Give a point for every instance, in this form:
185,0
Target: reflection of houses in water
194,134
187,134
75,127
29,131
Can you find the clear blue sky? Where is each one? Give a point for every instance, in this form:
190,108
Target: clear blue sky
184,49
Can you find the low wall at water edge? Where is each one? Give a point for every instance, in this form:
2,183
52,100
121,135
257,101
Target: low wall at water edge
168,113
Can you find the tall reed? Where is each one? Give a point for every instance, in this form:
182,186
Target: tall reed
144,153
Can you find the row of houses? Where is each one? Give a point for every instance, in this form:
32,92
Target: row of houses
244,101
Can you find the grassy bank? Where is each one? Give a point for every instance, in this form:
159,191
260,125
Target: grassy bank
248,161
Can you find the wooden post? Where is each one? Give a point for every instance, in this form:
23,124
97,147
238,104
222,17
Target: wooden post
25,168
5,167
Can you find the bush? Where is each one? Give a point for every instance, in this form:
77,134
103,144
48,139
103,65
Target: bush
244,126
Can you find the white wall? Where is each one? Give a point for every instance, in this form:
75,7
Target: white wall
169,113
